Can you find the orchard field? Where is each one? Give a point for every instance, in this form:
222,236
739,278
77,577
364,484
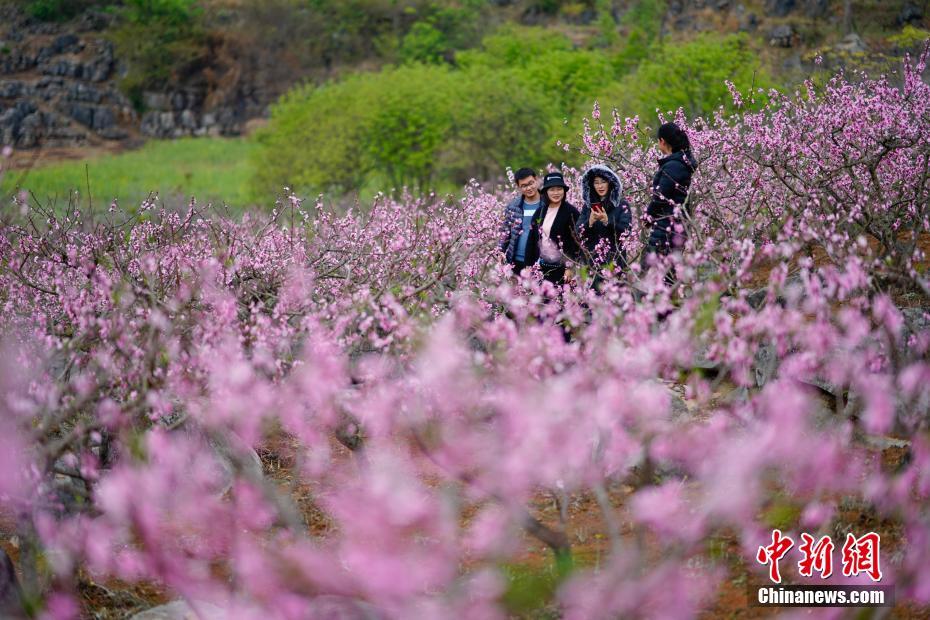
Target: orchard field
363,415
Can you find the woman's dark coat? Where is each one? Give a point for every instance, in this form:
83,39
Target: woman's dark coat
669,189
619,219
562,232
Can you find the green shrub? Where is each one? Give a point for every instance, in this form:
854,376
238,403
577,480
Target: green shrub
572,77
174,13
158,40
689,75
389,125
502,120
606,24
550,7
59,10
313,139
410,124
424,44
645,16
505,104
513,46
910,38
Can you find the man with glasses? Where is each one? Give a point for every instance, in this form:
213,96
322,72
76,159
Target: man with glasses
518,216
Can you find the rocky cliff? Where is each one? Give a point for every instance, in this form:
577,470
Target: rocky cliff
58,88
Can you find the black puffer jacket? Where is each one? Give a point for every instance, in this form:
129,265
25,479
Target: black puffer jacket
670,188
619,219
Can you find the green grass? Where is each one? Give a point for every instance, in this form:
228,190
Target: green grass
210,169
531,589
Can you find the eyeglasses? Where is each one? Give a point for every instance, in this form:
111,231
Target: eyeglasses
526,185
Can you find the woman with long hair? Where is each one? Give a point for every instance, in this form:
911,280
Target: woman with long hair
670,190
554,242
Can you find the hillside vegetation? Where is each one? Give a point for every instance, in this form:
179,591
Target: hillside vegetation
507,103
371,95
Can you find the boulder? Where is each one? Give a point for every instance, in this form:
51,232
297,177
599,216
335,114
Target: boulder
818,9
749,23
158,124
178,101
342,607
71,494
228,122
97,117
98,71
63,68
228,457
155,101
678,408
756,299
188,120
16,62
780,8
82,113
782,36
30,130
325,606
79,91
101,67
224,456
10,592
11,89
916,327
765,364
149,124
180,610
103,118
793,63
701,361
94,21
64,135
910,13
67,44
852,43
21,110
113,133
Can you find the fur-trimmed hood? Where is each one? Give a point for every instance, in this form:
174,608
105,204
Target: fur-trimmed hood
614,194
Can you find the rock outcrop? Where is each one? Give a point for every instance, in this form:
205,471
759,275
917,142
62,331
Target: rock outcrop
59,88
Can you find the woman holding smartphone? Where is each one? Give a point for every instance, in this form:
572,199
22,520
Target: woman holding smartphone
554,243
605,218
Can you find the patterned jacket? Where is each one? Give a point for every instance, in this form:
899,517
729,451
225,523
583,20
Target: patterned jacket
511,228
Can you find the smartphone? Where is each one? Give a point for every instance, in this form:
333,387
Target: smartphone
597,206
